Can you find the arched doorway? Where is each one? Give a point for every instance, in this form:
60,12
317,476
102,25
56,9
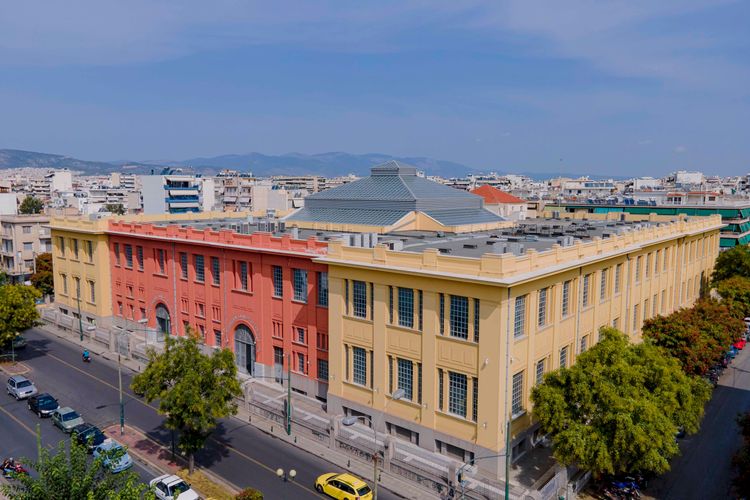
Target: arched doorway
163,322
244,349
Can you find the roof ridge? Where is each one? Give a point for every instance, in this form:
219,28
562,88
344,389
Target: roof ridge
414,196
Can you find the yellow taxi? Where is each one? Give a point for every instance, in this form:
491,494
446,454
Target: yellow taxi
343,487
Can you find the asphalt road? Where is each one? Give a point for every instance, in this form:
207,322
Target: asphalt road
704,469
237,452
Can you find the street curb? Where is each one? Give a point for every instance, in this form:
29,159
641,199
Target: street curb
10,373
142,457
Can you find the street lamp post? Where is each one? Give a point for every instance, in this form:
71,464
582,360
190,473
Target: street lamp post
351,420
122,403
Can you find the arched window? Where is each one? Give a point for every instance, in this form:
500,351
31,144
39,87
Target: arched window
163,320
244,349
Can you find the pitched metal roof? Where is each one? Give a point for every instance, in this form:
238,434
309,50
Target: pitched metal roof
348,216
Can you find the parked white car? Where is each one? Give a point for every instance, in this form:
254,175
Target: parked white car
20,387
171,487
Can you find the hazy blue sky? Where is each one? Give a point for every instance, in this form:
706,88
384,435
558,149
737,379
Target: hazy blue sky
621,87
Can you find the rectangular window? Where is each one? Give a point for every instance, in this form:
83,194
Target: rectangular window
78,286
540,371
564,357
115,249
566,299
603,285
517,394
459,317
129,256
359,365
635,318
323,369
542,307
90,250
183,265
616,323
139,257
441,390
200,268
216,271
26,229
200,309
645,310
584,343
243,275
586,289
457,391
75,250
665,259
28,246
217,338
654,304
92,291
656,262
160,260
419,383
299,277
442,314
476,320
648,266
519,321
406,377
474,398
618,277
299,334
300,362
420,306
390,304
638,268
406,307
360,299
323,288
278,281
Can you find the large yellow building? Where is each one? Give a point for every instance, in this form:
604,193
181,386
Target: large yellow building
466,334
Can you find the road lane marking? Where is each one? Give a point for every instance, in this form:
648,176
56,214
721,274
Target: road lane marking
226,445
25,427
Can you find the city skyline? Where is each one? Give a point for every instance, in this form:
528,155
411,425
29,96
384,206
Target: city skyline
513,87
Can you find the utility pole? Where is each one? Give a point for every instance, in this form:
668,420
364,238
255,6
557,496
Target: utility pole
507,460
122,404
289,394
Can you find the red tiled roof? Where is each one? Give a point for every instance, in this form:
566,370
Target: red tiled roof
494,196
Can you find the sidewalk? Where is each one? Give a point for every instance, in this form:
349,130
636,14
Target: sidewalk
148,451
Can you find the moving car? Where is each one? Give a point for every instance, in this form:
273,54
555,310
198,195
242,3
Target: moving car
88,435
42,404
343,487
66,418
116,458
20,387
169,487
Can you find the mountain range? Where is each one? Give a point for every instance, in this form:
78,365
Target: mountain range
325,164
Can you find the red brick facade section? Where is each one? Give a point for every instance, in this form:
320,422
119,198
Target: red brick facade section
273,321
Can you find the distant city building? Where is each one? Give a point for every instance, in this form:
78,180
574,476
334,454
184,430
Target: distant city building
503,204
24,237
176,193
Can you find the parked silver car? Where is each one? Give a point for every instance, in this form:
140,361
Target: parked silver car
20,387
66,418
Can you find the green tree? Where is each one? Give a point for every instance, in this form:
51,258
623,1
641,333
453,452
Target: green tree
194,389
735,293
115,208
31,205
733,262
17,310
42,279
698,337
69,474
617,409
741,460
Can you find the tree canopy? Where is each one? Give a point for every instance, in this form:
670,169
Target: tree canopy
71,475
17,310
194,389
618,408
115,208
698,337
732,262
31,205
735,293
42,279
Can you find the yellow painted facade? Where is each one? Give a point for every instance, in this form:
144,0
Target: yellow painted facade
490,326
